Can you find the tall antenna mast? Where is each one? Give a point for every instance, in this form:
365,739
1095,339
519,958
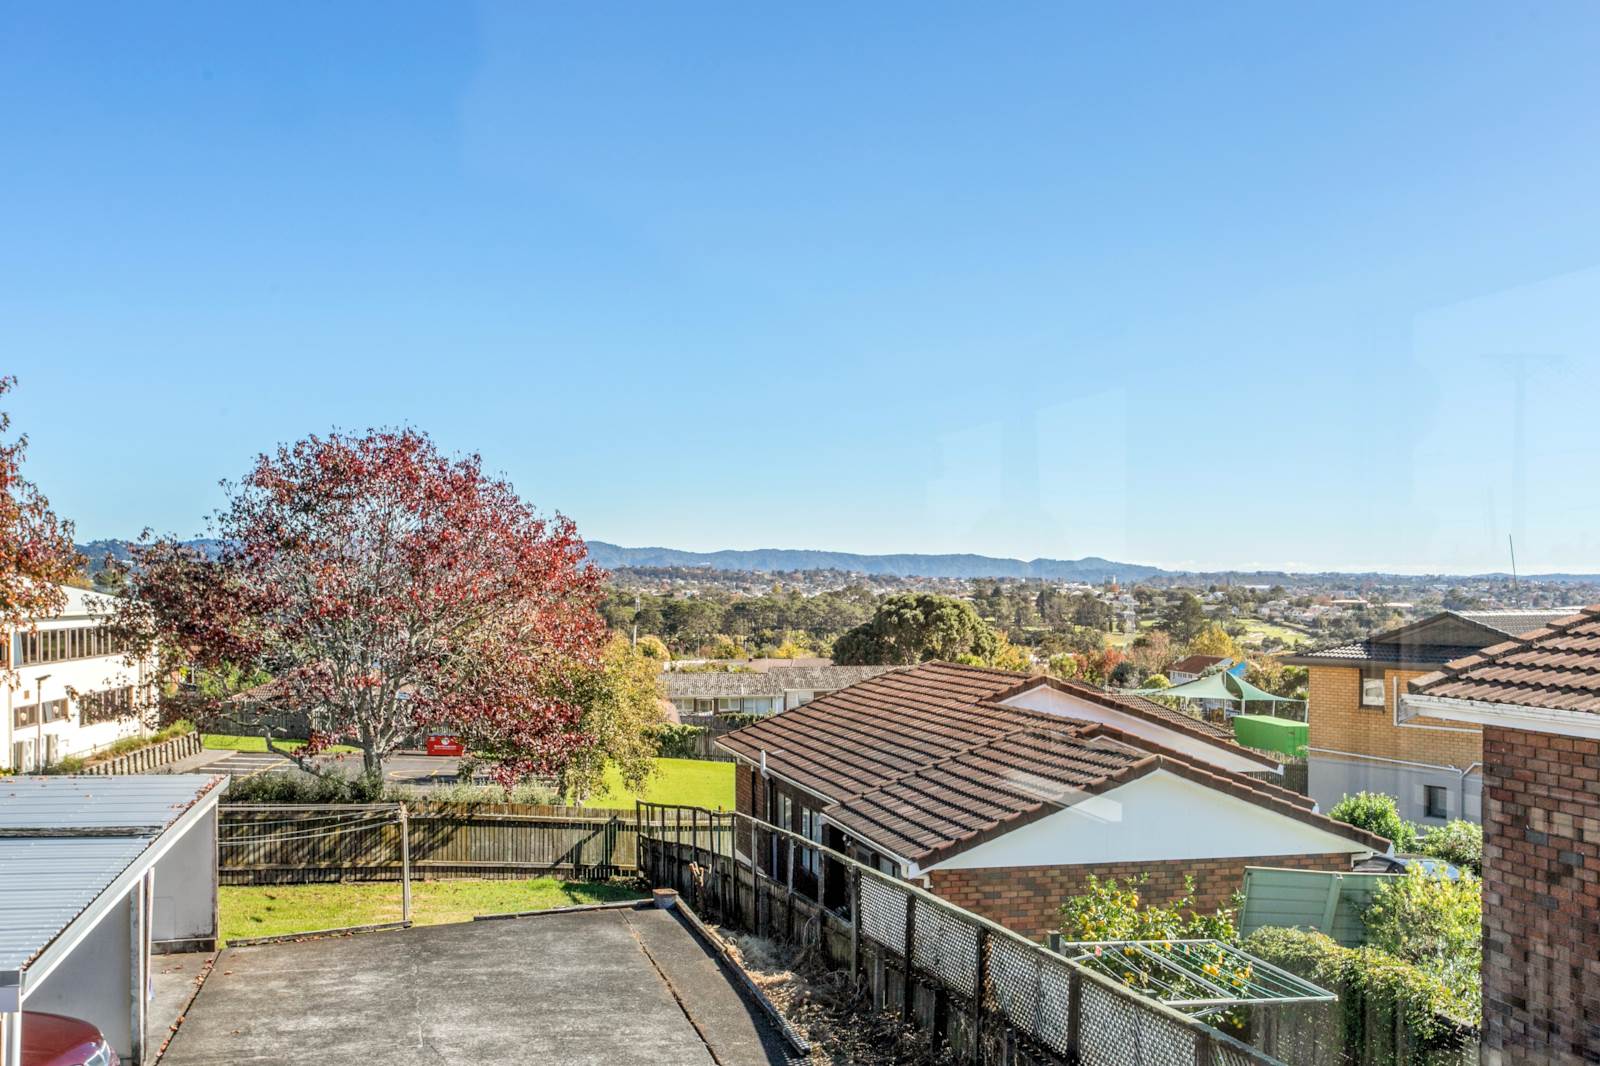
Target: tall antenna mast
1512,541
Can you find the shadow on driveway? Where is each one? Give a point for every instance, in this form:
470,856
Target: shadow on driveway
594,988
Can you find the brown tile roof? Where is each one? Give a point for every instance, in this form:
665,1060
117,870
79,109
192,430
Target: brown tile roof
992,787
855,739
1195,664
924,763
1556,668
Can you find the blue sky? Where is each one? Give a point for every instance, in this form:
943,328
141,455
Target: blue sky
1206,286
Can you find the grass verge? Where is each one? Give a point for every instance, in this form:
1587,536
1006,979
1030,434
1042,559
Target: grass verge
693,782
275,910
235,742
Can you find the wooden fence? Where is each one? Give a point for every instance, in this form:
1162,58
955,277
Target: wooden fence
982,992
149,758
264,844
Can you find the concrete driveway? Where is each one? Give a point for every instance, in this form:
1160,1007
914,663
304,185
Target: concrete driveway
595,988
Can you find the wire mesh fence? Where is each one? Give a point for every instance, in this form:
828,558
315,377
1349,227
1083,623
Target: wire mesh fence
987,994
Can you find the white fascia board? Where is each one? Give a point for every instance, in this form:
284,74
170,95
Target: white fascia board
1511,715
115,893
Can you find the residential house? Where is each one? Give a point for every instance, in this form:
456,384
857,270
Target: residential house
1191,667
1004,792
767,691
1357,743
71,692
1537,701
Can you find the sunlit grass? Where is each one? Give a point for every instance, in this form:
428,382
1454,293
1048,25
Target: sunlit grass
275,910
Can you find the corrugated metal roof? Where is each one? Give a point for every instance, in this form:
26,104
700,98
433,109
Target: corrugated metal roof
99,802
47,881
45,884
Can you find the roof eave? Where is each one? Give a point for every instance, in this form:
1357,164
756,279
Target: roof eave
1511,715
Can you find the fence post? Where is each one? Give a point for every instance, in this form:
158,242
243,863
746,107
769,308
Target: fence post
405,866
855,928
1074,1012
755,883
677,849
980,993
638,839
788,899
1202,1047
911,947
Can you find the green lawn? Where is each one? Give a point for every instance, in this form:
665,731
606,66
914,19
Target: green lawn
278,909
693,782
1289,636
234,742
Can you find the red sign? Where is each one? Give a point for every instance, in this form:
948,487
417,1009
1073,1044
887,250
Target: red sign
443,745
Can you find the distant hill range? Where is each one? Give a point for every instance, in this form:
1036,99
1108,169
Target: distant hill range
1092,569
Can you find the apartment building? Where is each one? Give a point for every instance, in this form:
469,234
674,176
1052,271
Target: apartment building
69,690
1433,769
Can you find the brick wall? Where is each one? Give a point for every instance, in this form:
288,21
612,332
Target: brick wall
1028,898
1339,722
1541,898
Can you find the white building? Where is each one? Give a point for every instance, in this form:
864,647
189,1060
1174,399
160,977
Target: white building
69,692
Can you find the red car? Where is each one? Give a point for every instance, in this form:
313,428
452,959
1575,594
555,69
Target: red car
56,1040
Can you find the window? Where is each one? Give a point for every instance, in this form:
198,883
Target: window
1436,799
25,716
811,829
55,711
106,706
1372,688
54,645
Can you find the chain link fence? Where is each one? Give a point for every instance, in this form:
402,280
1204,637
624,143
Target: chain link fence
984,992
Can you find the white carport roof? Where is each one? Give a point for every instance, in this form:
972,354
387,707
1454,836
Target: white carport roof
70,846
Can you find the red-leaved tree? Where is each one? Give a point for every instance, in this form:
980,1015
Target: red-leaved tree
387,590
36,552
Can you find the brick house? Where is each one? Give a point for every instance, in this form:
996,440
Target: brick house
1537,700
1004,792
1359,744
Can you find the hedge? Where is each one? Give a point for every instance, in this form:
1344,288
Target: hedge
1372,984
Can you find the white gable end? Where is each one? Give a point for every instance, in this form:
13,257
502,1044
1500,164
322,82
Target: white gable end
1156,817
1053,701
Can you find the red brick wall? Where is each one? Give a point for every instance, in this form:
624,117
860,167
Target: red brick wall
1028,898
1541,898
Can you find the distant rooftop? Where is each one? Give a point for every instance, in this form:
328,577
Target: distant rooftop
1437,639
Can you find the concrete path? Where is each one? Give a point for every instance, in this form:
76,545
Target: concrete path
174,978
596,988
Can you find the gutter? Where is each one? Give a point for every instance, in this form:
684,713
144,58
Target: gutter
1512,715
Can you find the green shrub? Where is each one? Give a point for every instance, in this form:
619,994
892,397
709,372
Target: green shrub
295,787
1376,813
1434,923
1459,843
677,741
1374,988
1109,910
71,764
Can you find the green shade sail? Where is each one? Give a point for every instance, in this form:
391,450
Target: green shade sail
1218,686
